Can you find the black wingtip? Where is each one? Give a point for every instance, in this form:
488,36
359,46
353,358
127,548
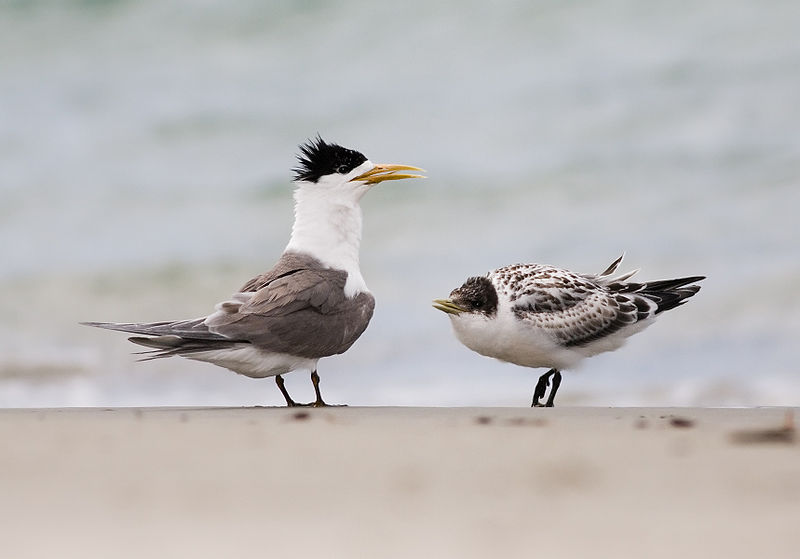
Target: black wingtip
668,285
674,296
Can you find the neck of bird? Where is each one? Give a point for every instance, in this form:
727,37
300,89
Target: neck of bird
329,229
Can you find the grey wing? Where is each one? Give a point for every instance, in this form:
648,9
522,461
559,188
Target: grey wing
298,307
304,312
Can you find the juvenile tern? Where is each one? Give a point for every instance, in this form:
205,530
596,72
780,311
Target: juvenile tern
313,303
541,316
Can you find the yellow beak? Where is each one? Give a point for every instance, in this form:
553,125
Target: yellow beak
387,172
448,306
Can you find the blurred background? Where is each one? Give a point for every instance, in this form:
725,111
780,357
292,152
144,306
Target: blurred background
145,155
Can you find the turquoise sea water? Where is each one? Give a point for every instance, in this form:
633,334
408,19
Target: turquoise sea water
145,150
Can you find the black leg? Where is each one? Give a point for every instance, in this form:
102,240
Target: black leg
541,388
556,384
319,402
289,402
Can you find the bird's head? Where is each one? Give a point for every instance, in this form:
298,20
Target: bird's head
335,171
477,297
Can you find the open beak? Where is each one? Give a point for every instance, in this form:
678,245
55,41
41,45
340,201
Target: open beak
387,172
448,306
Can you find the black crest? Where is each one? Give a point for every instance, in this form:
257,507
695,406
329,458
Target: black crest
318,158
476,295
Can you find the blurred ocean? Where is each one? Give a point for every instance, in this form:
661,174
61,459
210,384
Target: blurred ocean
145,155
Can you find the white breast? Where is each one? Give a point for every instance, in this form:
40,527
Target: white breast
508,339
328,226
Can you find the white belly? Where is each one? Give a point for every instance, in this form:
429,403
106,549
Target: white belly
521,343
250,361
509,340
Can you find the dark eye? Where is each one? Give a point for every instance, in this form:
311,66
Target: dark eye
476,304
342,169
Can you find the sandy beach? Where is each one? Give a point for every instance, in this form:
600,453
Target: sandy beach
400,482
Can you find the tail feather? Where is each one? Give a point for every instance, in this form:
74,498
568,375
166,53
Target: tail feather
604,276
159,343
195,328
169,346
625,276
612,267
169,338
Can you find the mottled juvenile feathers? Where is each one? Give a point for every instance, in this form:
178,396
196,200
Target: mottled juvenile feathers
576,309
542,316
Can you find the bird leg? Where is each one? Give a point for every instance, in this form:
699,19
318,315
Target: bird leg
319,402
541,388
556,384
282,387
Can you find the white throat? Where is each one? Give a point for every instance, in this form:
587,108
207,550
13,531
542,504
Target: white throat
327,226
